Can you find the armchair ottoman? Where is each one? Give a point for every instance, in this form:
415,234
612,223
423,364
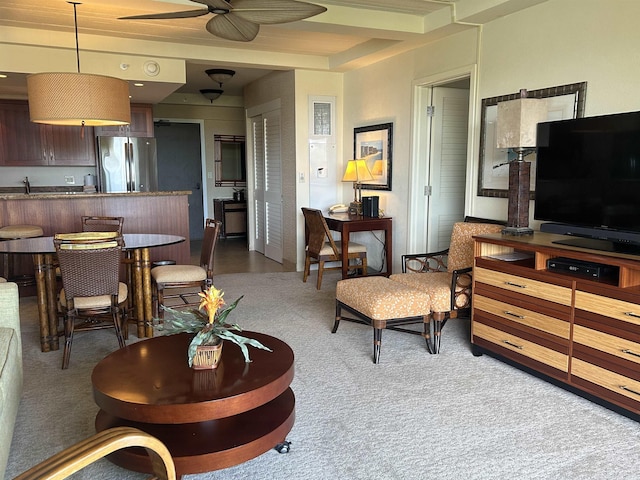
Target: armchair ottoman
381,303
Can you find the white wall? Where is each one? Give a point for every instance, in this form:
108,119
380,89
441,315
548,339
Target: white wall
384,93
554,43
561,42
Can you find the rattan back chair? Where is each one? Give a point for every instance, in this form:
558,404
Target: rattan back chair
92,296
186,278
321,247
102,224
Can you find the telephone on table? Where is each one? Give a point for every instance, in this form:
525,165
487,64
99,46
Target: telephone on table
338,208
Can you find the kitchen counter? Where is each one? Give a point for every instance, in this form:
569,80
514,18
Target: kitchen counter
71,195
143,212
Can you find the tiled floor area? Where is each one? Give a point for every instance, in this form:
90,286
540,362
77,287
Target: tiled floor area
232,256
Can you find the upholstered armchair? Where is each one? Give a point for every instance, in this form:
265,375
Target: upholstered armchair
446,276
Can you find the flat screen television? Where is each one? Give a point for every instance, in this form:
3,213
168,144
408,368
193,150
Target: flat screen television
588,180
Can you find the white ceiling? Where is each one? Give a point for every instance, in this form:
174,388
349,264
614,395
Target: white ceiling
351,34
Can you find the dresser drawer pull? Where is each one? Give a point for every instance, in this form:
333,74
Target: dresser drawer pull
631,314
515,285
507,312
629,352
627,389
519,347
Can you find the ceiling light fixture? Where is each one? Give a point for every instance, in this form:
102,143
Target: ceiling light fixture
78,99
211,94
220,75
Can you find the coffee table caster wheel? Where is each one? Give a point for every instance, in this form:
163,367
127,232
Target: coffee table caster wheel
283,447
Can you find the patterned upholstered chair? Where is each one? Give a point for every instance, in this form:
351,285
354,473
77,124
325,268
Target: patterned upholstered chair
446,276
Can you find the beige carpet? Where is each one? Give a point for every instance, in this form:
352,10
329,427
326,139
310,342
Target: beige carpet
413,416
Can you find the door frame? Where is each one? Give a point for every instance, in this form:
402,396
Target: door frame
420,151
203,158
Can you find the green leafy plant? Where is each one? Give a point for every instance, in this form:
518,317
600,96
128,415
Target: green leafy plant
209,323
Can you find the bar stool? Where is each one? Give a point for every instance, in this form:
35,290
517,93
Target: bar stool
14,232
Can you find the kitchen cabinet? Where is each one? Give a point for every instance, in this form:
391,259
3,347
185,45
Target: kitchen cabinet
233,215
141,124
580,331
24,143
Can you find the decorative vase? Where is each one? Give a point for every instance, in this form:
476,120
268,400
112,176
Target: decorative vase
207,356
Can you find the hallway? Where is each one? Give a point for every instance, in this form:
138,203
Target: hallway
232,256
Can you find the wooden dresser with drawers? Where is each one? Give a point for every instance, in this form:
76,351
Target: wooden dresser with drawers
577,327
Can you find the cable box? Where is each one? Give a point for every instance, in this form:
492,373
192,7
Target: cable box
582,268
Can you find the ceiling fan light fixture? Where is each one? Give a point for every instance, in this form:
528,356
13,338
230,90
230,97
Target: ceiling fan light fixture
220,75
211,94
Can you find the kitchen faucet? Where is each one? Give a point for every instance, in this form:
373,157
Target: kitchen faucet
27,186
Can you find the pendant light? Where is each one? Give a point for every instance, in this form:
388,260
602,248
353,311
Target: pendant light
78,99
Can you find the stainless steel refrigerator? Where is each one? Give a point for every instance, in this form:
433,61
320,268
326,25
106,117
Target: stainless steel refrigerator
127,164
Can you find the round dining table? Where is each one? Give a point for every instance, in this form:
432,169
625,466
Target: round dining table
136,246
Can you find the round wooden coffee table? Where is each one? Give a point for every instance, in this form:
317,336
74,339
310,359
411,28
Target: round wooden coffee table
208,419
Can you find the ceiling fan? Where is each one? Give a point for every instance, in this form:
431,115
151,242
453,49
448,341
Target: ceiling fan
240,20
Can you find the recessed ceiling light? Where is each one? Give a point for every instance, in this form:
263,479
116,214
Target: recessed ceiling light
138,84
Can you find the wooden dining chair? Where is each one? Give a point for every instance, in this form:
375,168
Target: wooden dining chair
92,297
183,279
321,248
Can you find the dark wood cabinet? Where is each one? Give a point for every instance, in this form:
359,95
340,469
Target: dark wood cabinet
24,143
141,124
233,215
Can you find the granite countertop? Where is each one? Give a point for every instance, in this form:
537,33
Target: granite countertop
38,195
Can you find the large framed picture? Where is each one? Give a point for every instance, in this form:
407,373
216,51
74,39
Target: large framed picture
374,143
563,102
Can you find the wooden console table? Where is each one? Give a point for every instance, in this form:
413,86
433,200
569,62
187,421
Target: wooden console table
346,223
580,331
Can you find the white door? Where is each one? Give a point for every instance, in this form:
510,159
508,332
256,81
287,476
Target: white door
447,172
267,184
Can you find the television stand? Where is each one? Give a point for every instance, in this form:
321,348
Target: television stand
600,244
579,332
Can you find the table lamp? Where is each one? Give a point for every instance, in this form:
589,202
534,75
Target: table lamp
356,172
517,121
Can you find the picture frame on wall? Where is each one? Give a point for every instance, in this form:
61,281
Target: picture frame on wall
374,143
563,102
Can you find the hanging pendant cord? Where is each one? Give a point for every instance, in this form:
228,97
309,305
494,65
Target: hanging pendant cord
75,23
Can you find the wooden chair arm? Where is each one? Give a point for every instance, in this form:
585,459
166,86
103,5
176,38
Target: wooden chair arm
461,288
425,262
78,456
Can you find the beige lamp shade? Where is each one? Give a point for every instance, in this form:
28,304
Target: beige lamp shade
78,99
517,122
357,171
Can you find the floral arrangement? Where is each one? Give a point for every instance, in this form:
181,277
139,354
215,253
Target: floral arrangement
208,322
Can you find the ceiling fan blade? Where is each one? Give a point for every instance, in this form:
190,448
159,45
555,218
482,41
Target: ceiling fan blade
156,16
233,28
266,12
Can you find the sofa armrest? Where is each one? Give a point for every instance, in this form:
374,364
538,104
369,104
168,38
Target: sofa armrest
10,309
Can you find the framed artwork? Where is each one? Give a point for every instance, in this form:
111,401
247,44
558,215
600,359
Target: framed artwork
374,143
563,102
